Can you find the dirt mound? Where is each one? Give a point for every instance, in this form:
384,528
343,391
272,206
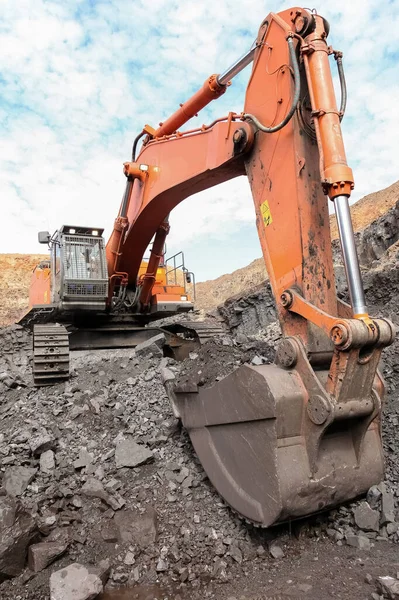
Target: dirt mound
218,358
15,276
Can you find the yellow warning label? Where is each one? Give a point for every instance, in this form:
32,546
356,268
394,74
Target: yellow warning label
266,214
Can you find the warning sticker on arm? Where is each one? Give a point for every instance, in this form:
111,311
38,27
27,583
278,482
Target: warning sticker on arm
266,214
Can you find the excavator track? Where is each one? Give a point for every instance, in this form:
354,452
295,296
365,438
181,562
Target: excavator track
201,331
205,331
50,354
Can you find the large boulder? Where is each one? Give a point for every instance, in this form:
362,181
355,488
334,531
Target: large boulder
75,582
151,347
18,529
43,554
130,454
17,479
137,528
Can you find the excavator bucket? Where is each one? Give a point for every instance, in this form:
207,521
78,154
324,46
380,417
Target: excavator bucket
265,456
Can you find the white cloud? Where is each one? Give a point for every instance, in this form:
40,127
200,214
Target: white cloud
80,79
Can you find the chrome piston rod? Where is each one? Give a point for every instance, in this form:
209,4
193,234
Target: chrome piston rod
236,67
351,260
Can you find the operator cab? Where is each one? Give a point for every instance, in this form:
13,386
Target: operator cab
79,277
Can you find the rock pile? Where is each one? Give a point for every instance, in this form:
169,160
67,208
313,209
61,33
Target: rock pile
100,486
388,587
99,468
372,519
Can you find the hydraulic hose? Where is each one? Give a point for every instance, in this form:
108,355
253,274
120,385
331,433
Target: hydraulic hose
297,91
136,141
341,74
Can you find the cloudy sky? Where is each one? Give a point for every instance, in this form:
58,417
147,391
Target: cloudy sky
79,78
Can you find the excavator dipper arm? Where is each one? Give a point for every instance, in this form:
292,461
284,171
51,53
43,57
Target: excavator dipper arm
285,440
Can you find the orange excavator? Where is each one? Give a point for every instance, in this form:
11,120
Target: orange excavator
303,434
73,304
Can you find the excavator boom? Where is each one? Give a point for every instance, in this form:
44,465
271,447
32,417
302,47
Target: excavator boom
284,440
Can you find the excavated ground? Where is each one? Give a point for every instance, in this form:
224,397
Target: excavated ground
67,454
218,358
